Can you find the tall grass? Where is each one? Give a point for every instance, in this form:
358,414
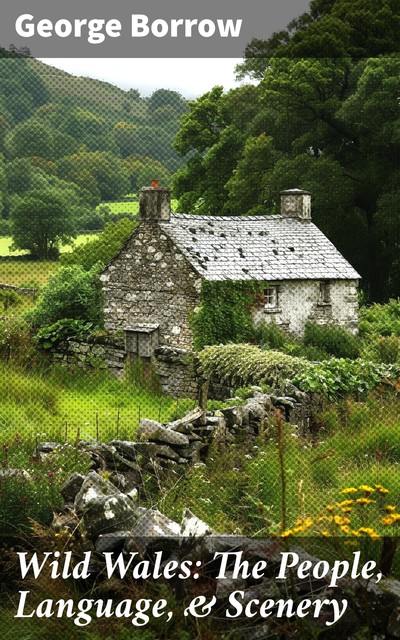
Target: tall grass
241,490
63,404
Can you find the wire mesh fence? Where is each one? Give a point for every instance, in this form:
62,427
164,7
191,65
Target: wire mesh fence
146,247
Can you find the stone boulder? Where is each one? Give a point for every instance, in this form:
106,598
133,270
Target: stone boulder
109,514
92,488
155,432
72,487
152,529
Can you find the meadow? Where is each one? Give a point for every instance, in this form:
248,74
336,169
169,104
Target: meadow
31,273
63,405
129,206
6,241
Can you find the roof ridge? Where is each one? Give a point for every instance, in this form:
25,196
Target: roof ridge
267,216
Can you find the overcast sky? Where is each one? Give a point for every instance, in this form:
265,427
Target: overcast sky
191,77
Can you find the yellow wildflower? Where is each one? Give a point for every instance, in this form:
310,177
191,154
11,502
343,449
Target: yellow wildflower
330,507
345,503
365,501
346,529
392,518
339,520
366,488
347,510
370,532
349,490
381,489
287,533
304,522
388,521
325,533
389,508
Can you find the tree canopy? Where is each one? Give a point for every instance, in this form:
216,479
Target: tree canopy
329,29
329,125
40,220
76,137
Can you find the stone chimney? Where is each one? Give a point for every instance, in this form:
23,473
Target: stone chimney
296,203
154,203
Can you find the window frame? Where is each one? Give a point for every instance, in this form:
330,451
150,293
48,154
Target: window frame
271,298
325,293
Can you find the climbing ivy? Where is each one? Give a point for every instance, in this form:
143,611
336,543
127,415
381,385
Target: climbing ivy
225,312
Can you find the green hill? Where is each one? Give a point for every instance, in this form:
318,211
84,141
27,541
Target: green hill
77,142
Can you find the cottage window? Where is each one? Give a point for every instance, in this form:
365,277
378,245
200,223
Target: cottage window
325,292
271,298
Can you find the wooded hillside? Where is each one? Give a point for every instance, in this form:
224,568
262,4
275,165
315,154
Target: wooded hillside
68,143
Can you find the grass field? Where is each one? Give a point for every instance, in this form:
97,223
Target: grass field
122,207
31,272
26,272
5,243
64,405
130,207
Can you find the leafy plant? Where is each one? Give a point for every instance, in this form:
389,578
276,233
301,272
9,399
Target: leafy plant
380,319
335,340
270,336
36,494
9,298
338,377
225,313
244,364
15,339
71,293
382,348
50,336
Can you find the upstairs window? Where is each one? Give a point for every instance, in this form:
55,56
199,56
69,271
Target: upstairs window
325,292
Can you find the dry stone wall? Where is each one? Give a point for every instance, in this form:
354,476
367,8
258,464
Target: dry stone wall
103,511
175,367
91,355
179,378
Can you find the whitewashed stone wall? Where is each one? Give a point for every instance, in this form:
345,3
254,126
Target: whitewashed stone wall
299,301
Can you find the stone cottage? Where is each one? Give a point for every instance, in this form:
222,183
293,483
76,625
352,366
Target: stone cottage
154,283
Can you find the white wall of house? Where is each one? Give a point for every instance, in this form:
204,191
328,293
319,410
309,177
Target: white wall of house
325,302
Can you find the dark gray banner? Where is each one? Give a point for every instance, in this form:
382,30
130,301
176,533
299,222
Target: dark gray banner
144,28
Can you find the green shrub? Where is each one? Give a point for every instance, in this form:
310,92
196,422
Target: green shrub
15,338
244,364
381,319
101,250
70,293
339,377
9,298
382,348
309,352
23,499
335,340
225,313
270,336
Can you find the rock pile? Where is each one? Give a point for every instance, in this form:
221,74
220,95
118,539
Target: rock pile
173,445
111,521
104,510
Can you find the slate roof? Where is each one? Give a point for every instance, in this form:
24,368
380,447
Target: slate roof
257,248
